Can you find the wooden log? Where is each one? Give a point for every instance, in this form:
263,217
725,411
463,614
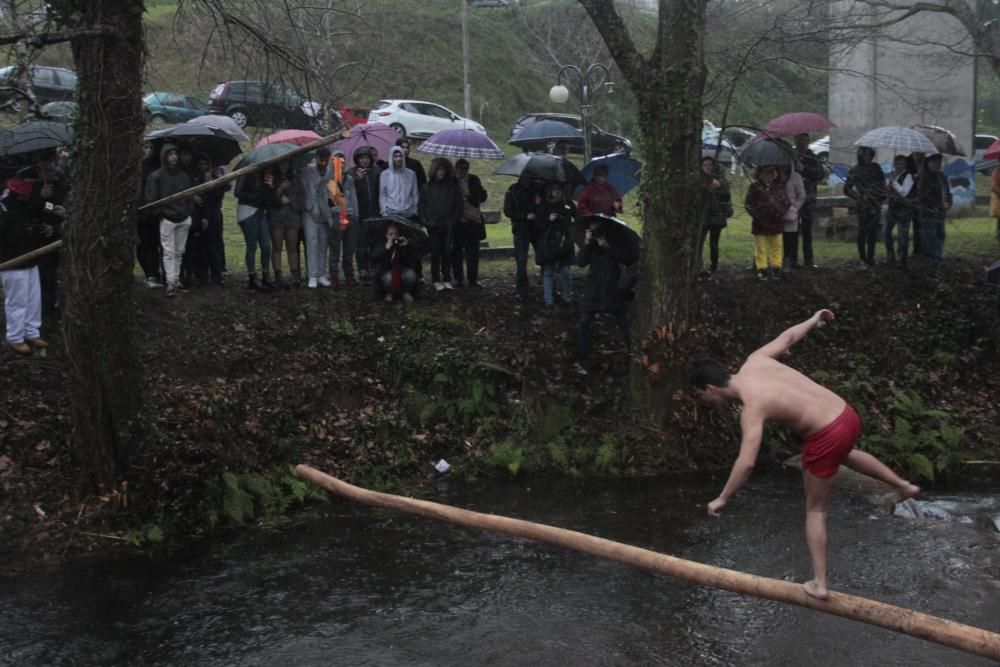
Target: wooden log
28,256
233,175
916,624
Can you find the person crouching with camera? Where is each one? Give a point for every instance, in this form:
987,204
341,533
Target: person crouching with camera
602,291
396,264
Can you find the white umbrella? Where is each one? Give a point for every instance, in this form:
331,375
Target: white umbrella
897,139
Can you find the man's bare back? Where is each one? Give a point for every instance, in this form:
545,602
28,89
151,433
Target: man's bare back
772,391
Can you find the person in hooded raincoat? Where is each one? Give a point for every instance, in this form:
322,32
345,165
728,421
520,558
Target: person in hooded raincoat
366,176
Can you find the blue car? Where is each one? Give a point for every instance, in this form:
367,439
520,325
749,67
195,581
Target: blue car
165,108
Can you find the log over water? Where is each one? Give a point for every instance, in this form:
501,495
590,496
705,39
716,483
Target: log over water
916,624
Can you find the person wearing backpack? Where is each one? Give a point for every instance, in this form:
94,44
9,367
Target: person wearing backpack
555,246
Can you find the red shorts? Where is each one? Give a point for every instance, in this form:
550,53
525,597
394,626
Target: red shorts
823,451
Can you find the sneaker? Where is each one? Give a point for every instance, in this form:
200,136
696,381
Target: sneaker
448,285
761,275
153,283
579,369
475,283
171,290
312,283
439,286
388,297
324,281
456,284
37,342
20,348
407,297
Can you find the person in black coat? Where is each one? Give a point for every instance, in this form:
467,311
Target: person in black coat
366,187
934,200
397,264
554,250
520,205
602,290
21,231
148,251
866,186
470,230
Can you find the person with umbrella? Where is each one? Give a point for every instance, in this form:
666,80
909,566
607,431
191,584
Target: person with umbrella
470,230
767,202
900,212
252,192
520,205
344,231
812,174
554,252
934,199
397,263
314,182
20,233
866,186
175,218
441,208
602,290
284,221
599,196
203,255
366,177
49,194
717,207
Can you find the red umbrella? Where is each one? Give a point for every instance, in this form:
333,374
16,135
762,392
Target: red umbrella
797,123
993,151
295,137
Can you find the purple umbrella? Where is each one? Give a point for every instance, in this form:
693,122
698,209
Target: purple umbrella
462,143
797,123
224,123
379,136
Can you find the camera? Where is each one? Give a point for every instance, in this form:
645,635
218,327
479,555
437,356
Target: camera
396,241
49,206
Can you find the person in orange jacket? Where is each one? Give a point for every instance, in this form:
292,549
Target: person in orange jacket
345,228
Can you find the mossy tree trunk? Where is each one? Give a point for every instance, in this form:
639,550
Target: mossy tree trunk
105,379
668,84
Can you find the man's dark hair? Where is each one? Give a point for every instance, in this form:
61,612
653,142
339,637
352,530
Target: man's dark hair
403,141
323,152
704,372
461,162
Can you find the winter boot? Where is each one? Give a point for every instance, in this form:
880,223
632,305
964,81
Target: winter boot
296,277
252,282
265,282
279,281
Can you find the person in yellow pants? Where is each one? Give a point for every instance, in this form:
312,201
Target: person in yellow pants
767,203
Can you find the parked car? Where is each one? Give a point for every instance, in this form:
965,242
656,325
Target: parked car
354,115
710,141
738,136
979,145
821,147
61,112
601,142
263,104
417,119
49,84
162,108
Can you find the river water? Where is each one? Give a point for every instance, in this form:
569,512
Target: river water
359,586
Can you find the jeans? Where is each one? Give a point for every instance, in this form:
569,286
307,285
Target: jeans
807,216
256,233
713,234
407,281
932,236
361,244
868,224
343,246
465,250
790,249
586,324
440,242
23,303
316,245
565,270
898,219
173,238
522,241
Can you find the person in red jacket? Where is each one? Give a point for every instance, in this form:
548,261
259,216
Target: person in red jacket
599,196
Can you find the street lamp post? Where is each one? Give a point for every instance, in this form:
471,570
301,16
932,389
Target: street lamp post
560,94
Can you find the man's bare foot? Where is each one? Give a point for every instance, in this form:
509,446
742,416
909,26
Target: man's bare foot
906,492
815,590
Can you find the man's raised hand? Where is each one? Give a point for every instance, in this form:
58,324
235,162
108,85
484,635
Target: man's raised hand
823,316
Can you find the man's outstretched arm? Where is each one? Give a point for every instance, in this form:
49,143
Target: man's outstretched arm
793,335
753,429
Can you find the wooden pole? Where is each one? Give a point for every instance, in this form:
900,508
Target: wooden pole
909,622
28,256
233,175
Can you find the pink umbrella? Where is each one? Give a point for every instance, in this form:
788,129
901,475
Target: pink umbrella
294,137
797,123
379,136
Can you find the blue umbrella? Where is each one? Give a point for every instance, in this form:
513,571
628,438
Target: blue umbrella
623,171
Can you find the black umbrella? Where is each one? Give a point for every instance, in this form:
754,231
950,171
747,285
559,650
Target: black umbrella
220,146
544,131
618,234
543,167
765,151
415,233
33,137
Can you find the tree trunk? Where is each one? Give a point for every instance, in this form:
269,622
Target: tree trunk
670,124
98,323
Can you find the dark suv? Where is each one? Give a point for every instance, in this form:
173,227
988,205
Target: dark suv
50,84
601,142
262,104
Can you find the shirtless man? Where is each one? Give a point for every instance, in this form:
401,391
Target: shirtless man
770,390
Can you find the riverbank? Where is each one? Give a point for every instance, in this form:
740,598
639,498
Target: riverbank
240,387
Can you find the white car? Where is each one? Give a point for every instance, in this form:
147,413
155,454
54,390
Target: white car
821,147
413,118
